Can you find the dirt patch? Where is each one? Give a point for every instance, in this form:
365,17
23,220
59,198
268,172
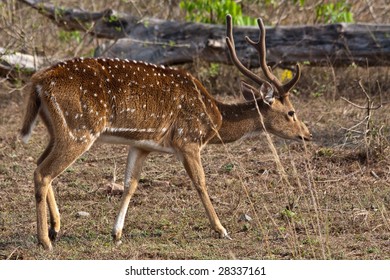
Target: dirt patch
328,204
330,199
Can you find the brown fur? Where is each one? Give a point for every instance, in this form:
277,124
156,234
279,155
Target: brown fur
149,107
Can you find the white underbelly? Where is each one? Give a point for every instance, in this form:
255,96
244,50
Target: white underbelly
148,145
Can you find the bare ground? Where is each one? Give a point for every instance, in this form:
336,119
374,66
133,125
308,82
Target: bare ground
331,203
329,200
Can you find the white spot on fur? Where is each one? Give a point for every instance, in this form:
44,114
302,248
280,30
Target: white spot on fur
180,131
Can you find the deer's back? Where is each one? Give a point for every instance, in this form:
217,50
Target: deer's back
128,100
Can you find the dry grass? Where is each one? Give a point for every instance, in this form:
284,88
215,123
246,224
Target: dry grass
327,201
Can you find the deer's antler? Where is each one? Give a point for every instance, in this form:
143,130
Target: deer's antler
261,49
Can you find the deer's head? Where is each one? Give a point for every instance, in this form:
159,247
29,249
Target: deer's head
272,96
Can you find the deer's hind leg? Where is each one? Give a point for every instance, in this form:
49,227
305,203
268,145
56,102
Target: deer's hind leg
55,222
61,155
135,160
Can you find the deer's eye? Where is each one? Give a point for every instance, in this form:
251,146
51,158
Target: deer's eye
291,113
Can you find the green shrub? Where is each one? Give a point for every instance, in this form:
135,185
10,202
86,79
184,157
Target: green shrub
334,12
211,11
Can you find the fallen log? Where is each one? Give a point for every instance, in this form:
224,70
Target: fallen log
16,64
337,44
170,42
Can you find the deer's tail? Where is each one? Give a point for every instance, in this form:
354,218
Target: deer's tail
31,112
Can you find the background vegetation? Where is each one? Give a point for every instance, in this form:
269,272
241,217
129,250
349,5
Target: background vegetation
329,199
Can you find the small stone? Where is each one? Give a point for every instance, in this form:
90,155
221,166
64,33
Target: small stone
114,189
245,218
82,214
229,182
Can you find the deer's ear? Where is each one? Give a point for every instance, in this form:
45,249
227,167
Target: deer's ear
250,93
267,92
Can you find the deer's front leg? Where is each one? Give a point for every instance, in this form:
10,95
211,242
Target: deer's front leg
135,159
190,156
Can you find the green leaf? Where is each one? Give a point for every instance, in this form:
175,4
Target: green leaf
211,11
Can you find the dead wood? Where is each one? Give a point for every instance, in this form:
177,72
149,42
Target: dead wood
171,42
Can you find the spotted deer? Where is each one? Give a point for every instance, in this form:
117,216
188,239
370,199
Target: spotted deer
152,109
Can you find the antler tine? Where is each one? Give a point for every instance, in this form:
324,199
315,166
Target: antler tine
289,85
233,55
261,49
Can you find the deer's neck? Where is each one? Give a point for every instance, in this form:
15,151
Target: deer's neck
238,121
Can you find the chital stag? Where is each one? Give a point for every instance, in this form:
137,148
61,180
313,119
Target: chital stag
152,109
